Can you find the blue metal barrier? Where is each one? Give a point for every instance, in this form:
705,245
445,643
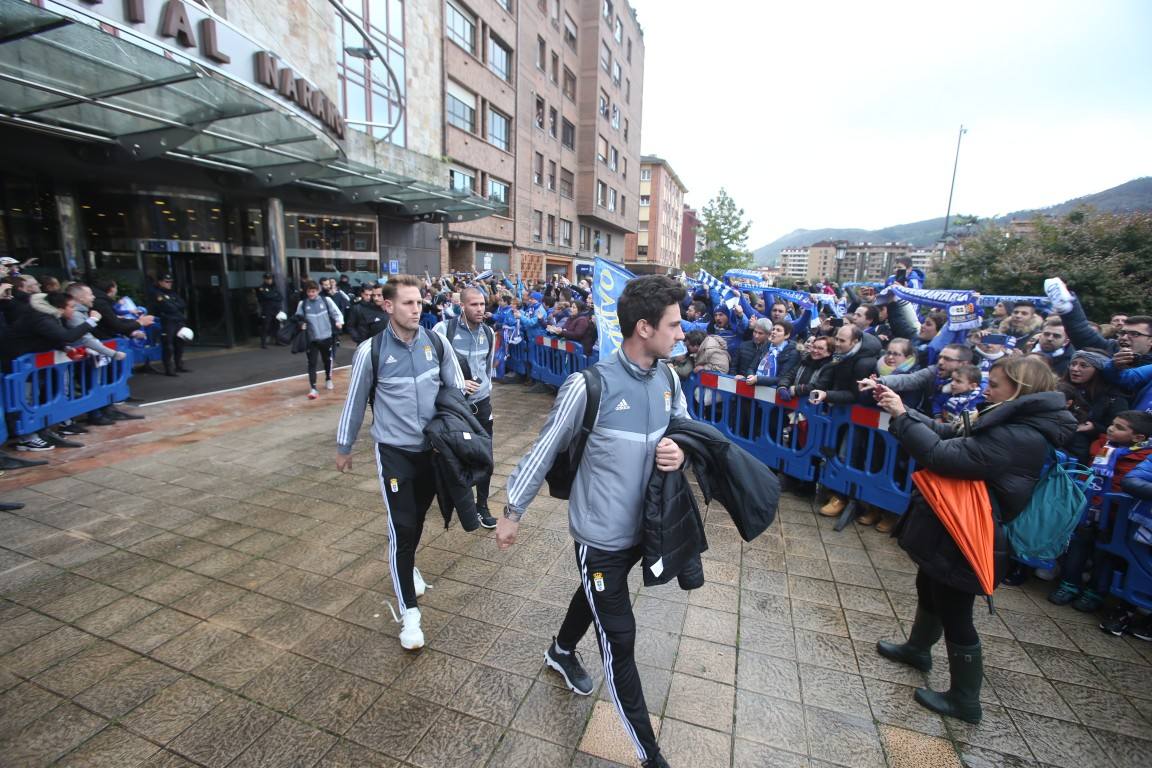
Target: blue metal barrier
863,461
784,434
517,361
553,359
1132,572
46,388
146,350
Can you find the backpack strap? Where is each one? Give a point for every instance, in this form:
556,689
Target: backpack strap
593,387
378,343
673,380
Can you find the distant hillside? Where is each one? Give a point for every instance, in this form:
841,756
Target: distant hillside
1135,195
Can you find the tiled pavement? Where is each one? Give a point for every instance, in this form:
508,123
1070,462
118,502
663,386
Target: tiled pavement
216,597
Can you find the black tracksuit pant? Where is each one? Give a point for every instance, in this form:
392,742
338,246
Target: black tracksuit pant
319,352
484,416
408,485
603,599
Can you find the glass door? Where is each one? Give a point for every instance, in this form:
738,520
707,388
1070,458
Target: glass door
201,279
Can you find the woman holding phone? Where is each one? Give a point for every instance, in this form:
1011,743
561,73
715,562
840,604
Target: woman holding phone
1006,446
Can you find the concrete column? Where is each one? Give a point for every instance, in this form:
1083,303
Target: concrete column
274,244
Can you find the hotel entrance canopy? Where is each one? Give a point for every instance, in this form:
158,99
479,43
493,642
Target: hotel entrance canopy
67,72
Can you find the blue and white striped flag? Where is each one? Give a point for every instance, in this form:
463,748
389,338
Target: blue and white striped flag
729,294
482,276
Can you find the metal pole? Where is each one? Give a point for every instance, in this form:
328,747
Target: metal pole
952,189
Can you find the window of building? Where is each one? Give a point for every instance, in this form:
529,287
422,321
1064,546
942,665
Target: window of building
645,174
462,179
605,57
627,91
607,9
569,84
565,233
540,112
505,4
570,32
616,72
623,205
499,128
616,116
613,158
624,167
499,58
551,228
602,105
567,183
553,119
611,199
555,71
551,174
538,169
537,225
567,134
645,200
541,53
608,244
596,240
625,129
601,194
619,30
365,91
628,55
602,149
461,108
498,190
461,27
585,236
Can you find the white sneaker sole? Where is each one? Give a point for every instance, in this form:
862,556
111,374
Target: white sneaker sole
412,645
554,665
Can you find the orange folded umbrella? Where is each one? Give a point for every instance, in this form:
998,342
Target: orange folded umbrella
965,510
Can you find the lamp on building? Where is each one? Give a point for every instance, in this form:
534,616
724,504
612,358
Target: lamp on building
360,52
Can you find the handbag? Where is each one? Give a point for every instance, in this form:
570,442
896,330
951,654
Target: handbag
300,341
287,332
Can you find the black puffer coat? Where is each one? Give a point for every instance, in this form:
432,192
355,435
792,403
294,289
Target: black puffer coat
841,376
1007,448
461,456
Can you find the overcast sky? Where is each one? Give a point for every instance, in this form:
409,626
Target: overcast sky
845,114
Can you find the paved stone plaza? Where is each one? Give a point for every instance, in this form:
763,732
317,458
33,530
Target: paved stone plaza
207,590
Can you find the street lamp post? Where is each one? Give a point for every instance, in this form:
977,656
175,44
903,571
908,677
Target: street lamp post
952,189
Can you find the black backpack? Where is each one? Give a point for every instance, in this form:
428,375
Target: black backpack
377,342
562,473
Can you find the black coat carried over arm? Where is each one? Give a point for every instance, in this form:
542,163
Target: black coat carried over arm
462,456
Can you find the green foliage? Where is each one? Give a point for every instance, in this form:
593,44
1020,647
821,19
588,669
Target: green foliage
726,237
1106,259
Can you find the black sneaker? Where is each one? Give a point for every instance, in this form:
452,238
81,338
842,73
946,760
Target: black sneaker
34,443
72,429
58,440
1118,622
97,419
568,665
1141,629
118,415
656,762
486,519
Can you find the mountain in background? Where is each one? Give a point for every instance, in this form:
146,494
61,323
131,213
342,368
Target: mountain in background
1135,195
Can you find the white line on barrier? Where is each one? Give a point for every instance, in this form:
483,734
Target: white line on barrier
234,389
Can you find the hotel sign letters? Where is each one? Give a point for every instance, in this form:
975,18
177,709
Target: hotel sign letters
193,28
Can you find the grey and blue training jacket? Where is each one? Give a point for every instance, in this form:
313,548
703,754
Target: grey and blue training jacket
606,502
406,384
473,345
319,313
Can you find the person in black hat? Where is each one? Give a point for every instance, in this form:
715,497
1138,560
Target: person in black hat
172,312
271,303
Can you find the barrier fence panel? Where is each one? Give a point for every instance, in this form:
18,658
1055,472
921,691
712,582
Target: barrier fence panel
46,388
1131,560
863,461
517,361
146,350
553,359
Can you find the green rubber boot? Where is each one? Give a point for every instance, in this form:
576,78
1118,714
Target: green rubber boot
917,651
962,700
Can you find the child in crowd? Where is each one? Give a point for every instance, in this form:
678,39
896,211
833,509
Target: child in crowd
1123,446
966,395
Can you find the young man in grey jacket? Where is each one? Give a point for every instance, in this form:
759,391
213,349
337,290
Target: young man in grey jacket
322,319
637,400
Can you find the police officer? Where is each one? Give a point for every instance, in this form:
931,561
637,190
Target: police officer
172,312
474,343
271,303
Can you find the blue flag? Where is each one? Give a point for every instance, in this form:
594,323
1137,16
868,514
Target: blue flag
608,280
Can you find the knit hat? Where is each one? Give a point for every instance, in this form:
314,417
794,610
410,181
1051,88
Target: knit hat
1094,359
536,296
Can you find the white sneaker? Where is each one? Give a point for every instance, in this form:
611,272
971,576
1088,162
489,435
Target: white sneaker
328,385
313,394
418,583
411,636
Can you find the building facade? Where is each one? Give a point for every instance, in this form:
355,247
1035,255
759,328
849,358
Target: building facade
542,110
661,219
217,141
691,235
